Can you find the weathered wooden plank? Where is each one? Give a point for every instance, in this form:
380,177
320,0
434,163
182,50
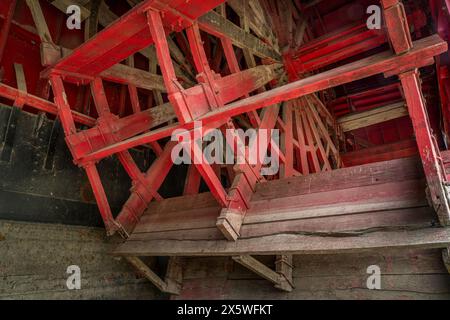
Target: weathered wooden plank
39,21
426,238
346,224
123,74
395,195
20,77
364,175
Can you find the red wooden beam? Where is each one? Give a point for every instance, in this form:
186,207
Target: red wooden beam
397,150
400,37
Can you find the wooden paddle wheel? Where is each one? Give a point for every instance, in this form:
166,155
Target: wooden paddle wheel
166,66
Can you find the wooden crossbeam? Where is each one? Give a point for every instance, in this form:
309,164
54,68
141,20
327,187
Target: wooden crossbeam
427,238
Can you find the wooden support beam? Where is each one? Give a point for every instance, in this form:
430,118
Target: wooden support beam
265,272
386,152
91,25
140,196
284,266
400,37
428,150
39,21
174,275
153,68
241,190
364,119
427,238
20,77
161,284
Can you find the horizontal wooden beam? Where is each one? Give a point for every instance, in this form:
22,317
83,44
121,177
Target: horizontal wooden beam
426,238
123,74
374,116
386,152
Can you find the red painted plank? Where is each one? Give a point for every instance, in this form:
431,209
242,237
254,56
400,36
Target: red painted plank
130,34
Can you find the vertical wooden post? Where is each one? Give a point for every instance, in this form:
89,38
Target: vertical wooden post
398,29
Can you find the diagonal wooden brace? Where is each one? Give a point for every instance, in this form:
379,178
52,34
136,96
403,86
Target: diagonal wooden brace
278,278
172,281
